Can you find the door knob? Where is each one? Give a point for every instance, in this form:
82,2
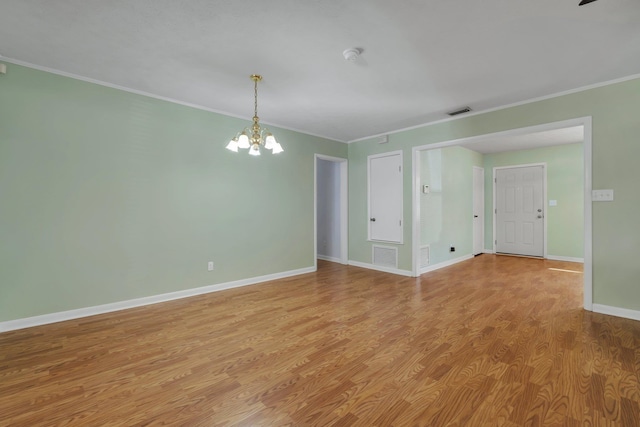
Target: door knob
372,219
539,216
539,210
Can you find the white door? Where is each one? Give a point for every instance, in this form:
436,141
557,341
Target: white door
385,197
478,210
520,210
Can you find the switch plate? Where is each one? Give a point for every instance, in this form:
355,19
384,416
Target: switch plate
3,69
210,266
602,195
553,203
425,189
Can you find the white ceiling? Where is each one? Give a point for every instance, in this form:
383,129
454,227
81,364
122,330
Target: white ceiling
421,58
529,141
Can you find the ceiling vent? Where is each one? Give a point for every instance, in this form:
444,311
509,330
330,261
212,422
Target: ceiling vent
460,111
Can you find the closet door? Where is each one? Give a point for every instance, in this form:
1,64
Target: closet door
385,197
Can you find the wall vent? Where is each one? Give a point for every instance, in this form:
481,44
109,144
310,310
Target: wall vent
460,111
424,256
385,256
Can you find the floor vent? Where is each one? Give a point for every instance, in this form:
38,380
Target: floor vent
424,256
385,256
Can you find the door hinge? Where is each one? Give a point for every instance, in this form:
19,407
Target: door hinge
495,211
400,223
399,168
495,242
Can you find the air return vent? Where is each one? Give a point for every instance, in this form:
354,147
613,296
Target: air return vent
385,256
460,111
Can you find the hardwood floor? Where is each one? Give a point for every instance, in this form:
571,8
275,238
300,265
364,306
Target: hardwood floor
493,341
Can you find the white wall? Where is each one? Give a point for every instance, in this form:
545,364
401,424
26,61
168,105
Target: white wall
328,210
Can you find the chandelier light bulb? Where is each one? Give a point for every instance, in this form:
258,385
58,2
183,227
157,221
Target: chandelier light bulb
243,140
254,150
233,145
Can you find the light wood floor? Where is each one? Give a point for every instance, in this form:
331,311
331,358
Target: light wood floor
493,341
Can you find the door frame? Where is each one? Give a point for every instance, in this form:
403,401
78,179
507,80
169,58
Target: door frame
475,168
544,201
344,207
585,122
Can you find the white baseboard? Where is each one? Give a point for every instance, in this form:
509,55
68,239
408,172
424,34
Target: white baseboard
565,258
44,319
616,311
330,259
380,268
444,264
488,251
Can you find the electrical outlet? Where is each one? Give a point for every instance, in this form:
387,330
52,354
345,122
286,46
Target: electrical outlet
452,249
210,266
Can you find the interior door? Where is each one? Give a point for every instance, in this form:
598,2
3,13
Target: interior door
520,210
478,210
385,197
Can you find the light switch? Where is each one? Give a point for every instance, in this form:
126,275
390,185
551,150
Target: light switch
553,203
602,195
425,189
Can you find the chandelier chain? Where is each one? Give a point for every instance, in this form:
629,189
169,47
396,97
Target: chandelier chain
255,98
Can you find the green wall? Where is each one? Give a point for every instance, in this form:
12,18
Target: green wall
565,184
445,213
109,196
616,236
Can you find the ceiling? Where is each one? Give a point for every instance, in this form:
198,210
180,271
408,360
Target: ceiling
548,138
420,58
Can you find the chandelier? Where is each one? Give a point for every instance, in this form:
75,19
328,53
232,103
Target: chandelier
254,136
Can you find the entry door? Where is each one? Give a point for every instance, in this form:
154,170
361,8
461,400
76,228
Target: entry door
520,211
478,210
385,197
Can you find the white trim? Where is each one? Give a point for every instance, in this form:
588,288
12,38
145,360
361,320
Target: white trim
377,156
588,218
482,210
151,95
504,107
380,268
544,202
616,311
330,259
344,207
565,258
444,264
586,122
415,210
488,251
61,316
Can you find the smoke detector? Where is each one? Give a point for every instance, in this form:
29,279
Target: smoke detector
352,54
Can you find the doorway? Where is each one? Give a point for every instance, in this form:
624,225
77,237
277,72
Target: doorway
330,209
498,141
